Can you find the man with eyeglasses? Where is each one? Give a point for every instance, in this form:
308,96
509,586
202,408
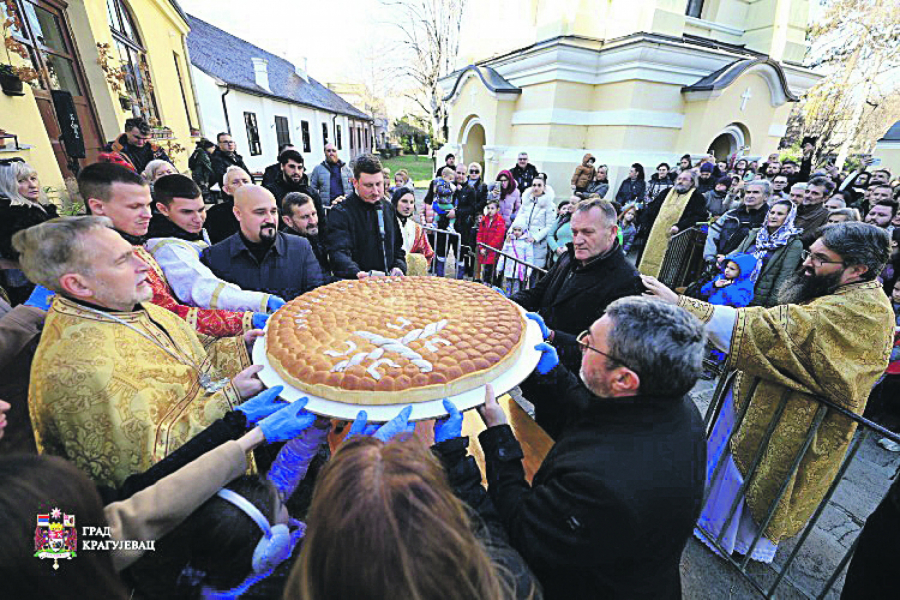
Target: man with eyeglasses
524,172
225,156
135,146
829,337
611,508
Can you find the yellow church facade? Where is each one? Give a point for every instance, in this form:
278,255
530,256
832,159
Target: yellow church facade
626,80
146,73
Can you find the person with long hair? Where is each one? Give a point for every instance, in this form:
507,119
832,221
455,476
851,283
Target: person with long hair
634,188
22,205
506,192
537,216
561,232
385,523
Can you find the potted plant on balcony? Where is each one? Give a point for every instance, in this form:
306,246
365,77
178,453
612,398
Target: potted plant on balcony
11,76
10,81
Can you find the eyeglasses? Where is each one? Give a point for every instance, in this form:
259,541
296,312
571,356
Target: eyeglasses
818,260
585,347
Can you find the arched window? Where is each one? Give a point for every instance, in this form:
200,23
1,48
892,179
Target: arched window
134,60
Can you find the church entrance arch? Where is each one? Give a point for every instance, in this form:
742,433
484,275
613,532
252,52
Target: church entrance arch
733,139
472,140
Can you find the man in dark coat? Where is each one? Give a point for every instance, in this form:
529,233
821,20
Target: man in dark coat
292,178
135,146
220,220
584,281
730,229
612,506
364,234
300,217
259,257
270,173
524,172
225,156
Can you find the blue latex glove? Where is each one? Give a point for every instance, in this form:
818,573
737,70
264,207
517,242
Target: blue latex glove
500,291
259,320
40,298
287,423
274,303
397,425
549,358
361,425
545,333
449,427
262,405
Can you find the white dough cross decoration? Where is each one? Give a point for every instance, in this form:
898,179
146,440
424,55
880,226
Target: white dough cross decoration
399,346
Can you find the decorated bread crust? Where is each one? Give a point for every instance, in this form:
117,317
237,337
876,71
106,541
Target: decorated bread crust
392,340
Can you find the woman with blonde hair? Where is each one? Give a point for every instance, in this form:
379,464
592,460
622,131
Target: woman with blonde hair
22,205
385,523
156,169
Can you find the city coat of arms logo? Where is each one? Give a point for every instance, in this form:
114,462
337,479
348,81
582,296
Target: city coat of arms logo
55,537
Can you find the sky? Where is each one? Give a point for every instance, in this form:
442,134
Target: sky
329,33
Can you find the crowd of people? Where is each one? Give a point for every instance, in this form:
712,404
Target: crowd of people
130,398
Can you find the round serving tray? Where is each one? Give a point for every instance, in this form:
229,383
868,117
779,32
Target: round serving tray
432,409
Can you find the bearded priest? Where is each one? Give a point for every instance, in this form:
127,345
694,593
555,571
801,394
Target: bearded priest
117,383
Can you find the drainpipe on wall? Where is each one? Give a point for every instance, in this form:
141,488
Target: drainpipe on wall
225,109
334,132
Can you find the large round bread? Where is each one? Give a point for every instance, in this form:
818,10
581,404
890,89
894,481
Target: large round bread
392,340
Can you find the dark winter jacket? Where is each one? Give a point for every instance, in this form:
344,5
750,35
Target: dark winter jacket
354,242
138,156
600,188
611,508
570,297
16,217
809,218
704,185
288,269
631,190
730,229
777,267
220,163
525,176
200,165
469,202
464,477
657,185
220,221
281,187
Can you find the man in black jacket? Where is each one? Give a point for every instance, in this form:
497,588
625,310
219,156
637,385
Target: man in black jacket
524,172
135,145
584,281
364,234
259,257
300,217
220,220
270,174
225,156
611,508
730,229
292,178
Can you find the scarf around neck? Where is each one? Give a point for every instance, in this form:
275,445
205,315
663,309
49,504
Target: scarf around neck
767,242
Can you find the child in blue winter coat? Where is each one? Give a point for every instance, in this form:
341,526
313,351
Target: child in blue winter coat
732,287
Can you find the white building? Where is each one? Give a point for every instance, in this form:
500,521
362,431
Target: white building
264,101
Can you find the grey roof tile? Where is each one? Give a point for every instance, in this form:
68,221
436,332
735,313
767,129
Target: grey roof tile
226,57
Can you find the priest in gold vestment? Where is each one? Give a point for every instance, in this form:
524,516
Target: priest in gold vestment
673,210
118,383
831,338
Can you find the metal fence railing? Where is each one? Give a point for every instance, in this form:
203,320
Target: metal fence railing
764,584
447,244
683,261
496,276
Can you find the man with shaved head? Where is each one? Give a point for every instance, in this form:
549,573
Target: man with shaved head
220,221
259,257
331,178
